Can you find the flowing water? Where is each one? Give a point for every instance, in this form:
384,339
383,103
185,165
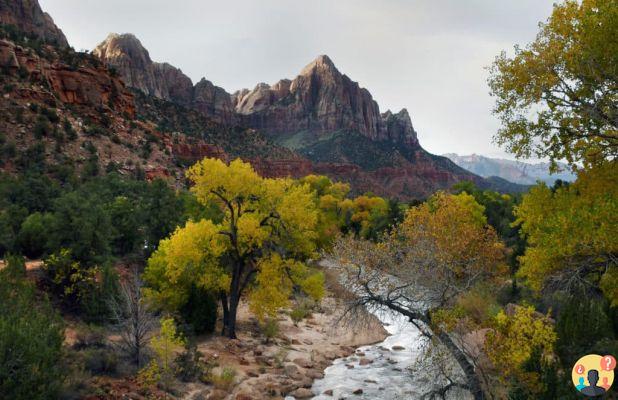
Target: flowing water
387,377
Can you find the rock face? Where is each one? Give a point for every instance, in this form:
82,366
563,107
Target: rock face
127,55
86,85
27,16
321,99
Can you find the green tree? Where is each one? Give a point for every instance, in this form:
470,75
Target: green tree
83,225
31,336
34,234
558,96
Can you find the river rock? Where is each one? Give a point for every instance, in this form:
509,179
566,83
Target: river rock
365,361
358,391
328,392
314,374
398,348
303,362
302,393
292,371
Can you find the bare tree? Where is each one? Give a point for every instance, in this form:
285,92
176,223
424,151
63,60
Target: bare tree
133,318
417,276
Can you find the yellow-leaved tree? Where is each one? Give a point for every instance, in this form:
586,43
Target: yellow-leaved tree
268,230
572,234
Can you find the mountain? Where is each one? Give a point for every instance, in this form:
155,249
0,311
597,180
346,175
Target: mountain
514,171
321,115
26,16
321,100
126,54
117,109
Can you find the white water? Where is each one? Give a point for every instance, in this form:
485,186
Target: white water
387,377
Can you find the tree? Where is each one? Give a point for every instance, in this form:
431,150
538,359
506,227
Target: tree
33,234
572,234
268,229
133,318
164,344
558,97
31,336
427,269
82,225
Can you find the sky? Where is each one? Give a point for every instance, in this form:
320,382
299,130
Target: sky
429,56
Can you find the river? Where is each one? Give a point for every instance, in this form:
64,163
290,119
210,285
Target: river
388,376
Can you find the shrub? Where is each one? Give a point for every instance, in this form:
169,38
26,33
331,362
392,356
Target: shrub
42,128
100,361
224,380
191,366
33,234
31,336
270,329
200,311
78,288
298,314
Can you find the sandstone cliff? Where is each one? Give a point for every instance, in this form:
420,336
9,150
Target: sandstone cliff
88,84
27,16
321,99
126,54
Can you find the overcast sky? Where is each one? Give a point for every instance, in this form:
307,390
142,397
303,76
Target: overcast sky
428,56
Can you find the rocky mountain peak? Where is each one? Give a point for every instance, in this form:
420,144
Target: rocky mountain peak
321,63
129,57
27,16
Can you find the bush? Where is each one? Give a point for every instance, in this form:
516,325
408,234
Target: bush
100,361
31,336
42,128
298,314
200,311
270,329
33,234
190,365
78,288
224,380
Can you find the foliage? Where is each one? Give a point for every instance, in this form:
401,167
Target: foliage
270,329
200,310
572,233
97,219
87,290
441,268
514,339
34,234
31,336
161,369
224,379
299,313
191,367
268,228
556,97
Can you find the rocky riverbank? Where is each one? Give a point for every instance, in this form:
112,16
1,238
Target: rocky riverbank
289,363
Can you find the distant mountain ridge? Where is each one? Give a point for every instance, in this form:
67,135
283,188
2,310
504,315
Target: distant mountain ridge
519,172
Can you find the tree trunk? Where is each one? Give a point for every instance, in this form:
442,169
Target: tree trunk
229,317
472,378
226,312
